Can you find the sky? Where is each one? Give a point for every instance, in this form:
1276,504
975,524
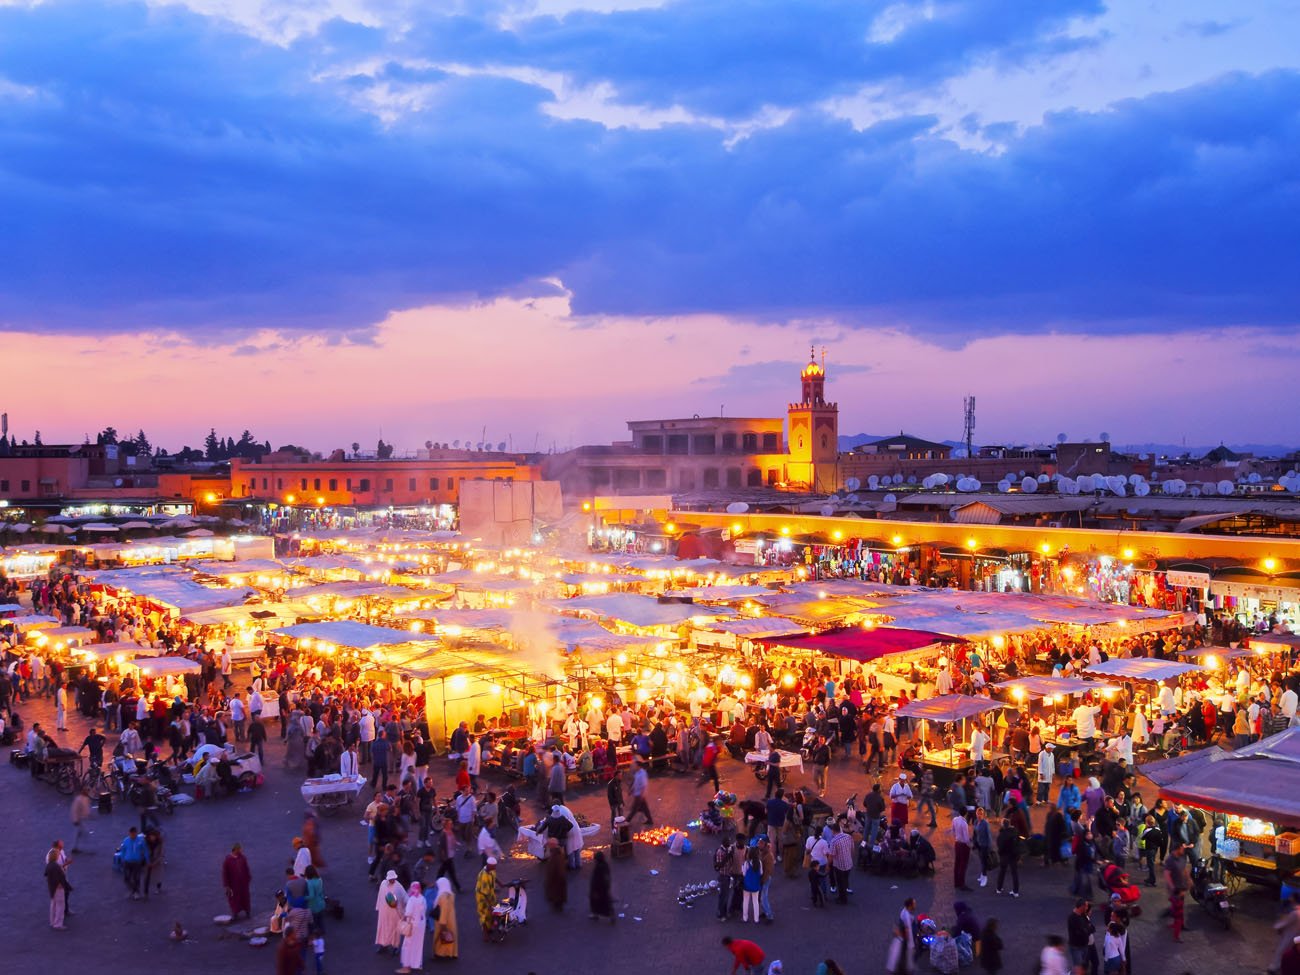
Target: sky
527,221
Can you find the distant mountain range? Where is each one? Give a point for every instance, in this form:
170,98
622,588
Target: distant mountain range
1158,449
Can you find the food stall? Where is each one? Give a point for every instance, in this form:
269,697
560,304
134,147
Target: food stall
1252,798
952,757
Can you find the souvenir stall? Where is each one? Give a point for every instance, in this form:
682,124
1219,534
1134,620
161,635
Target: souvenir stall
843,647
1252,796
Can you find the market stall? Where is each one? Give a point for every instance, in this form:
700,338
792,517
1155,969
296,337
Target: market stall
949,753
1253,797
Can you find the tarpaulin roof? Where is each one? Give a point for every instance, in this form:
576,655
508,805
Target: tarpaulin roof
1142,668
102,651
1261,780
1040,686
949,707
756,629
156,666
719,594
857,643
636,610
346,633
1275,640
1225,653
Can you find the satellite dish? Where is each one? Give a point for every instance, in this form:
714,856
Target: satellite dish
1029,485
1253,478
455,443
828,510
898,478
117,482
1003,487
911,478
873,482
1209,487
501,446
1116,483
891,498
1105,437
1195,492
1043,478
941,479
852,499
737,508
1061,438
1226,487
1021,474
1142,489
1142,456
853,484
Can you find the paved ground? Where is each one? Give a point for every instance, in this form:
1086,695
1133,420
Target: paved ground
112,933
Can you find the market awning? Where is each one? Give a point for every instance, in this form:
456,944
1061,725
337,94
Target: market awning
346,633
1273,642
949,707
857,643
1142,668
1207,654
1035,686
1260,780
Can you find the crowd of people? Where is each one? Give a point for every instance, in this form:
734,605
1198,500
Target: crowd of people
1003,815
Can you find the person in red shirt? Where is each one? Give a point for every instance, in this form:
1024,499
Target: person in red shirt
746,953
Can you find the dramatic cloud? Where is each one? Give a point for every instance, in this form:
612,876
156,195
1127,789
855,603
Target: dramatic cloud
238,166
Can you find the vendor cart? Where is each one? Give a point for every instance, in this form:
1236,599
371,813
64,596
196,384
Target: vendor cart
789,760
331,793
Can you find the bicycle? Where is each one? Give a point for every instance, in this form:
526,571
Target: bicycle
98,781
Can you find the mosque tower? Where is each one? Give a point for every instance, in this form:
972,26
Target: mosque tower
814,427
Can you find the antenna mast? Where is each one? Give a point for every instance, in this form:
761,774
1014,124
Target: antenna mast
968,426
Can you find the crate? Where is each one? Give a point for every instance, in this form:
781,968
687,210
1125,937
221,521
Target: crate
621,847
1288,843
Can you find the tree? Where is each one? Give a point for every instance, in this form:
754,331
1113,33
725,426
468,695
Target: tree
142,445
38,438
384,450
106,436
211,445
356,449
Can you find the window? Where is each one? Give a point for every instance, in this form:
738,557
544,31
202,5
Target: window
388,484
279,483
679,443
433,484
772,477
706,443
349,483
749,443
263,484
754,478
771,443
365,484
4,485
252,485
710,477
304,485
334,483
728,443
686,480
27,486
627,479
316,484
656,479
652,443
451,483
410,484
733,477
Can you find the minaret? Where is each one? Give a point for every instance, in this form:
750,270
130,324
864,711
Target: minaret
814,432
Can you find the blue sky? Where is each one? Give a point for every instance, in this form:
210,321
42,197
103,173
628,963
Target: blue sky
277,182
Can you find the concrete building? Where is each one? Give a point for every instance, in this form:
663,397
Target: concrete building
291,479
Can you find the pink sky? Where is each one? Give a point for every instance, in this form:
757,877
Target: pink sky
532,373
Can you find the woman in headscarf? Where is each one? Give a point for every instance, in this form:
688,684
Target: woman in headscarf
602,899
413,929
556,873
391,905
446,937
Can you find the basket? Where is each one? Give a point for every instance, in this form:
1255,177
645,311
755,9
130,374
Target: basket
1288,844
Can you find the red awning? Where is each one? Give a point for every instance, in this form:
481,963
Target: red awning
857,643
